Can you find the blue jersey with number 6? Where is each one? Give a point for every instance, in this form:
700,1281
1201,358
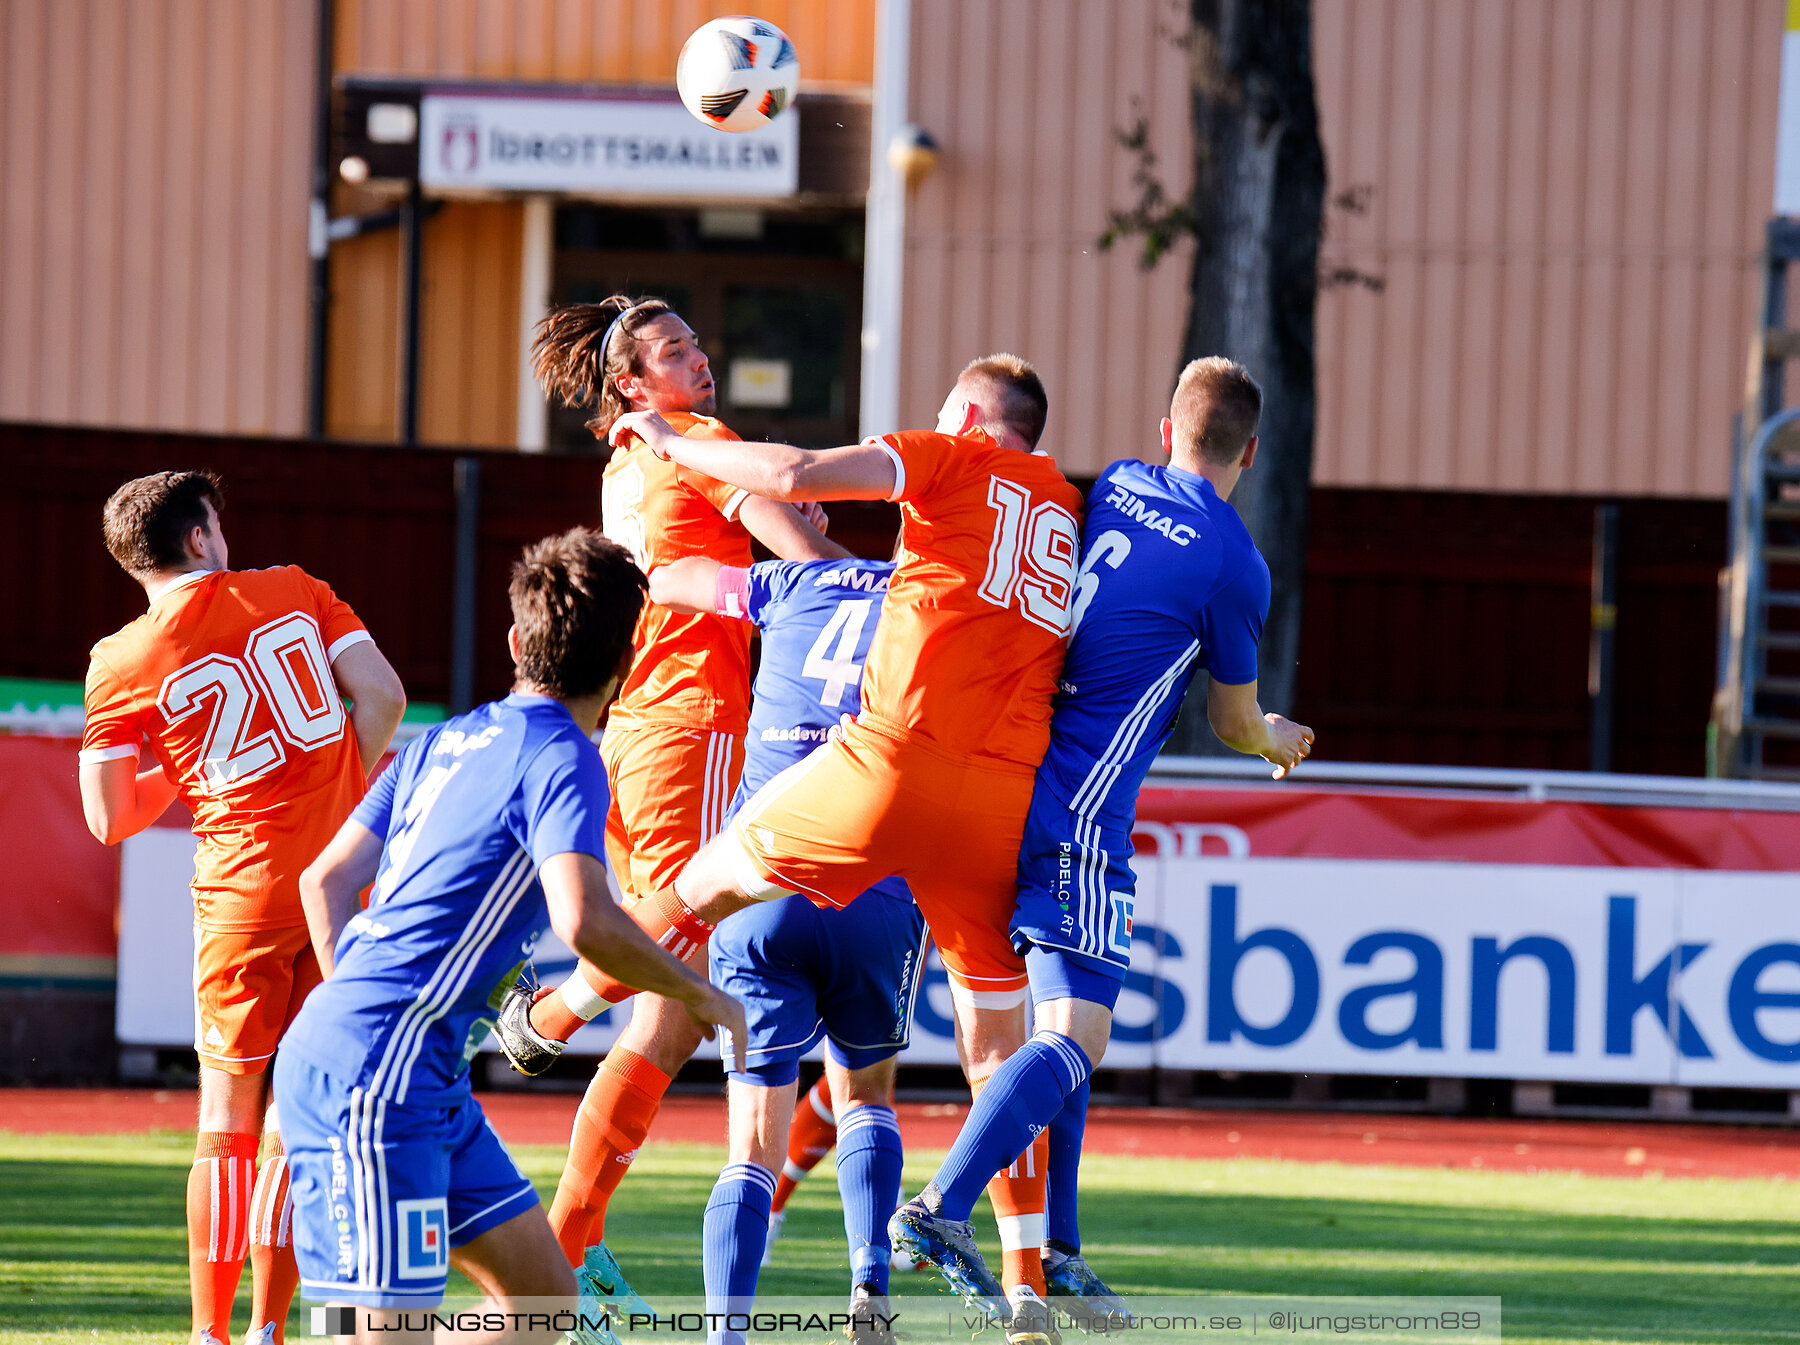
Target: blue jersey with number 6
1170,583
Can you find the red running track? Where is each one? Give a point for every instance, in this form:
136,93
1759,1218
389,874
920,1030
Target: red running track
1601,1147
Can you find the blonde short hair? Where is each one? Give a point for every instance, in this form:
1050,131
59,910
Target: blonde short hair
1215,409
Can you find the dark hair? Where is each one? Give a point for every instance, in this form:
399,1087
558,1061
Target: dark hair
1215,410
1025,406
575,599
568,360
147,520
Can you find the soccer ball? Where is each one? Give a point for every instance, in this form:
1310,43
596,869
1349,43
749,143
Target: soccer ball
737,73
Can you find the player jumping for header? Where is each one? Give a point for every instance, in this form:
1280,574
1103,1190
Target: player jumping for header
674,739
932,780
483,831
236,680
1170,583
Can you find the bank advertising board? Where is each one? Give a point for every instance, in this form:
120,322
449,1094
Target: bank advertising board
612,146
1324,930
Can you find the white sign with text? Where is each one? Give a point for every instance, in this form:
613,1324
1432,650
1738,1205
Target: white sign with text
1512,971
599,147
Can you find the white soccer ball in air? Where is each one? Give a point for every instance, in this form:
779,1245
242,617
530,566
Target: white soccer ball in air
737,73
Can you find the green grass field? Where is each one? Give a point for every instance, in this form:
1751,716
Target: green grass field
92,1249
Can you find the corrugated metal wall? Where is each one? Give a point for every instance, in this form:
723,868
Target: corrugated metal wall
469,321
153,184
1564,200
1565,205
1001,250
582,41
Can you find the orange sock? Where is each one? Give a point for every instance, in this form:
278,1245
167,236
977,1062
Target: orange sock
1018,1196
662,915
273,1273
616,1114
218,1218
810,1138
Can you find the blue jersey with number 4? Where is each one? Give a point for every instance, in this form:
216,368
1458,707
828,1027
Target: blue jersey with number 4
1170,583
818,619
466,813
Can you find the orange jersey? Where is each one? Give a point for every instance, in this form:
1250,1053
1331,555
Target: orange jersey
228,678
689,670
976,618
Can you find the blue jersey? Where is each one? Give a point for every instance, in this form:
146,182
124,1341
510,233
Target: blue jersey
467,813
1170,583
818,620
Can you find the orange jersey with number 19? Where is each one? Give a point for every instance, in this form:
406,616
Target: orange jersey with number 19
691,670
975,621
228,679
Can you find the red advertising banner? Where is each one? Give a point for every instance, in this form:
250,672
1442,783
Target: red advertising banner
59,893
1294,821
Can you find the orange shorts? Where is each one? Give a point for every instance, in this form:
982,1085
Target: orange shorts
248,985
670,789
873,804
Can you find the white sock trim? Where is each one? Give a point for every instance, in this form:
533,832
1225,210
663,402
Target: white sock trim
1019,1231
580,998
987,999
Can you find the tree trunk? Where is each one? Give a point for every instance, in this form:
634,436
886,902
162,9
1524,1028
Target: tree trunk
1258,202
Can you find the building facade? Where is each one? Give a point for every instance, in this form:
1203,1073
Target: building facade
1541,253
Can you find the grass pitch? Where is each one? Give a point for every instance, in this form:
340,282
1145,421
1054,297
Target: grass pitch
92,1247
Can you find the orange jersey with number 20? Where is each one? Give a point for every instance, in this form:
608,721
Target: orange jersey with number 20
228,679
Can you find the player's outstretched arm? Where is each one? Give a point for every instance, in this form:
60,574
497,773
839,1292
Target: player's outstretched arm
791,533
1239,721
119,800
377,699
774,471
331,883
584,916
686,585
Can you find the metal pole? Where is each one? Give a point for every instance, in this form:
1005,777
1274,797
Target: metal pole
318,242
1603,618
462,590
412,245
1774,320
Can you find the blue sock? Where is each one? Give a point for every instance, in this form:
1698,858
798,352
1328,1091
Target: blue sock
1022,1098
731,1246
1062,1221
868,1174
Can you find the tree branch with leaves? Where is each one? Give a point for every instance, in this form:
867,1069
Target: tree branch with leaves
1256,215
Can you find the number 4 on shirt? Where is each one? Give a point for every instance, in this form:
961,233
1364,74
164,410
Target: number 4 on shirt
839,669
1033,556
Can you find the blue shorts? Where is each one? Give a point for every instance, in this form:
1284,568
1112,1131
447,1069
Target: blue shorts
383,1190
847,975
1076,897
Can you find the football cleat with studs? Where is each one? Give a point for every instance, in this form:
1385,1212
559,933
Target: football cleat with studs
526,1049
948,1247
1080,1294
871,1321
1029,1320
602,1285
